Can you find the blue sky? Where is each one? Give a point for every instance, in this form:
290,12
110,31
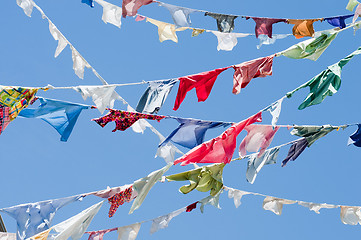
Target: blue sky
37,166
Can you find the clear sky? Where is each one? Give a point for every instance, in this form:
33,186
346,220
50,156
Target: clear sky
36,166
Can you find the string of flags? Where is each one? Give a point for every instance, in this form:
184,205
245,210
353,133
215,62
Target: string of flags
75,227
225,22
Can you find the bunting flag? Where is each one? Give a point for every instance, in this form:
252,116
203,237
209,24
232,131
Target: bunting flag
311,48
258,137
155,95
33,218
227,41
338,21
355,138
129,232
264,25
204,179
60,115
324,84
143,186
295,150
245,72
7,236
303,27
312,133
98,235
73,227
111,13
180,15
225,23
351,5
219,149
131,7
190,133
166,31
163,221
4,118
16,99
202,82
124,119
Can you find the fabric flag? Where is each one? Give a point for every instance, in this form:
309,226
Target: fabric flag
295,150
111,13
312,133
256,163
16,98
7,236
324,84
98,235
275,110
351,5
131,7
155,95
73,227
60,115
219,149
58,36
180,15
192,206
236,195
211,200
303,27
191,132
351,215
275,204
41,236
202,82
355,138
264,25
102,96
163,221
88,2
124,119
311,48
203,179
4,117
118,199
258,136
316,207
357,13
33,218
265,40
26,5
143,186
166,31
245,72
338,21
196,32
225,23
79,63
129,232
227,41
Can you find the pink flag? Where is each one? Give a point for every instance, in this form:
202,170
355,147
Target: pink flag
244,72
130,7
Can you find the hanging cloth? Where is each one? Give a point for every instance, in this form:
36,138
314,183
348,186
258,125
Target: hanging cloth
33,218
355,138
258,136
60,115
225,23
245,72
180,15
338,21
131,7
155,96
303,27
16,98
202,82
311,48
324,84
124,119
203,179
264,25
